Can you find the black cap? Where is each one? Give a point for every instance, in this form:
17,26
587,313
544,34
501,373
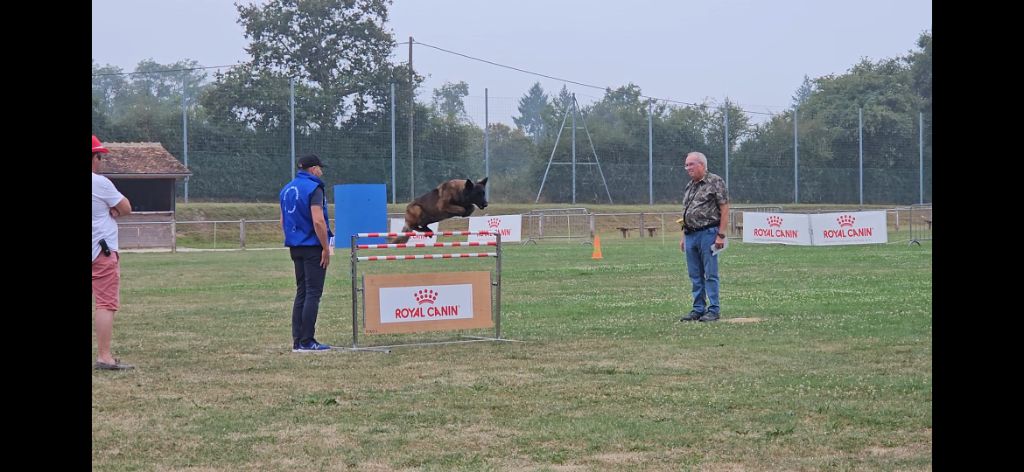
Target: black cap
305,162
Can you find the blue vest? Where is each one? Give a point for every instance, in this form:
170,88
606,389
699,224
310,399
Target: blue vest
298,220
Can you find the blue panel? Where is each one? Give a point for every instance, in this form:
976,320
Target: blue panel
359,208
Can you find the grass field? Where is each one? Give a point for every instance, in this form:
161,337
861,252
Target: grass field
835,375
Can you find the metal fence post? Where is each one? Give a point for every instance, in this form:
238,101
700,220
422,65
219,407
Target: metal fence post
241,232
184,126
726,113
650,153
394,183
920,156
860,153
796,158
487,147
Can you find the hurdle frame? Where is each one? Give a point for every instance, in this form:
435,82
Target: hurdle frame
358,287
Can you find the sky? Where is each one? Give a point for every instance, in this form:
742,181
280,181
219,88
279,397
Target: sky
755,53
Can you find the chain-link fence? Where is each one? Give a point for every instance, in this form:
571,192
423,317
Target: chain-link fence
241,142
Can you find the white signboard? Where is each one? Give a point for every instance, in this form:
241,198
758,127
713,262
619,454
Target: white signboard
398,223
509,226
855,227
426,303
779,228
409,303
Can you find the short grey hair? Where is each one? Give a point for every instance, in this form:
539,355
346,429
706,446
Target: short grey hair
700,156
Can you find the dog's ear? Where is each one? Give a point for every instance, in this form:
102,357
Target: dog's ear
469,184
482,181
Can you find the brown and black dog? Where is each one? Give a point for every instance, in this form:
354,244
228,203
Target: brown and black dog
455,197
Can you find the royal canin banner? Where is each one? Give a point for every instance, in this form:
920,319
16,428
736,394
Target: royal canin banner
816,229
409,303
426,303
398,223
855,227
778,228
510,227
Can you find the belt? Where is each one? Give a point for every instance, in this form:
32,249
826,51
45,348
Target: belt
702,228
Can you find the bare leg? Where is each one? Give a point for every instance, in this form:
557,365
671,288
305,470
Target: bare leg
104,331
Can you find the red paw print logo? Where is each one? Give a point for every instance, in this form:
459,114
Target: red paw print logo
494,223
845,220
425,296
775,221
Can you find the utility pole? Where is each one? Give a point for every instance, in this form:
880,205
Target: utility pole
487,148
412,120
184,126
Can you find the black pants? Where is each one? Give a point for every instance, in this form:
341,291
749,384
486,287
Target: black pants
309,286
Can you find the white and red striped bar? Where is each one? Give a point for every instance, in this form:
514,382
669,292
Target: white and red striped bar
417,233
405,245
427,256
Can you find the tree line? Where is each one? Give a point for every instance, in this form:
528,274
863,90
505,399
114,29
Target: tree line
335,56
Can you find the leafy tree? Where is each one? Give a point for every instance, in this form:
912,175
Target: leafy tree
739,128
337,50
145,105
560,102
921,71
448,101
510,148
533,107
804,92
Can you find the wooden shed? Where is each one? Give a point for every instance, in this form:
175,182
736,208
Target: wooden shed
147,175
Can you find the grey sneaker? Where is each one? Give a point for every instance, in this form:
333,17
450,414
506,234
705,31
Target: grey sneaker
117,365
693,316
709,317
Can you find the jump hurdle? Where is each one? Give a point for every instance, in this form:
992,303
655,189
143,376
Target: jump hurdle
438,278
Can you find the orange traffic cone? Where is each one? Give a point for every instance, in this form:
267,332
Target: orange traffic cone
597,248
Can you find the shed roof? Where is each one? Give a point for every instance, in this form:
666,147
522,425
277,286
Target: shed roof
141,160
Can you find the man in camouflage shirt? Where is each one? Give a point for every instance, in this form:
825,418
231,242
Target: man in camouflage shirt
705,217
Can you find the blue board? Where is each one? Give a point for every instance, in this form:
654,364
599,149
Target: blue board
359,208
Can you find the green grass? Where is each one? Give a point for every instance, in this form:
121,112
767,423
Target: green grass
836,374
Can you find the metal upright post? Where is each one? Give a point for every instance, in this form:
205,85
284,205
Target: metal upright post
355,296
574,110
393,150
184,126
726,113
497,324
291,102
920,156
860,153
412,120
487,149
796,159
650,153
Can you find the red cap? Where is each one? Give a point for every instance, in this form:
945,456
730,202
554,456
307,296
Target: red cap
97,146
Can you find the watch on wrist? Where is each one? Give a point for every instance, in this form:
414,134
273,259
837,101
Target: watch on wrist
721,235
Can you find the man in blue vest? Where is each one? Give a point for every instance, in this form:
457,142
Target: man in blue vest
307,231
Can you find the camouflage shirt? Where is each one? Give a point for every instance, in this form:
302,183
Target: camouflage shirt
701,200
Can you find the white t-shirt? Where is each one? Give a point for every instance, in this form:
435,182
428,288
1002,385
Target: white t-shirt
104,197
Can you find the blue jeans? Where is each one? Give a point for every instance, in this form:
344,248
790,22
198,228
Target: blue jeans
309,287
702,268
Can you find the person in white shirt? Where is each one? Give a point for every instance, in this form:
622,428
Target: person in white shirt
107,203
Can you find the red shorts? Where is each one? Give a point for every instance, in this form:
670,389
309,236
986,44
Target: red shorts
106,281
